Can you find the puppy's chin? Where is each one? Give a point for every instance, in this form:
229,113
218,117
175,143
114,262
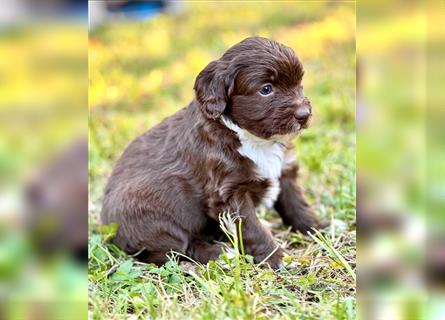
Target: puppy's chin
281,137
285,138
295,130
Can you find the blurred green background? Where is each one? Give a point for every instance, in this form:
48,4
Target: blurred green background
43,107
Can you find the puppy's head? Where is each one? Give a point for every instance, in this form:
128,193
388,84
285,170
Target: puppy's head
257,85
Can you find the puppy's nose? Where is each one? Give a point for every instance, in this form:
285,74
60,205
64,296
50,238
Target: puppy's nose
302,113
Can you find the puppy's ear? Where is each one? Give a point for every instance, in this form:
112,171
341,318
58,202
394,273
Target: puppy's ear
212,87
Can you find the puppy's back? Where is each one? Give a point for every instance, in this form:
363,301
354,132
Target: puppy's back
143,187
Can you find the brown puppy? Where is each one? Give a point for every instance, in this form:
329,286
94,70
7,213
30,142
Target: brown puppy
228,151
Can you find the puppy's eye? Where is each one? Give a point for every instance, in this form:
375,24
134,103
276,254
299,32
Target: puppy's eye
266,90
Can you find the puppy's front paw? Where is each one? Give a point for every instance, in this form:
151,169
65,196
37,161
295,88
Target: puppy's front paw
275,261
305,222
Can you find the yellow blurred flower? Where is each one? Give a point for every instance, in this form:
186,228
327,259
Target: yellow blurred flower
197,59
178,72
312,39
153,81
232,38
156,43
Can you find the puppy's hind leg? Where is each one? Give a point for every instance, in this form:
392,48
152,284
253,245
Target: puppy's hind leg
158,246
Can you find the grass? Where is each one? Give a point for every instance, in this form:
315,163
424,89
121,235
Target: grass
312,285
141,72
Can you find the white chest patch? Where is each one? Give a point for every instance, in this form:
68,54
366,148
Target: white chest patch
268,156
